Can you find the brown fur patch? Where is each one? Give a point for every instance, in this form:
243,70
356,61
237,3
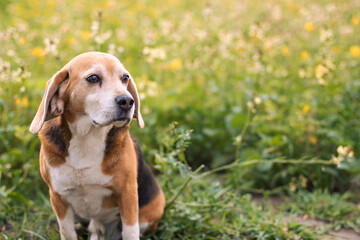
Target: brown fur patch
44,170
109,202
59,205
153,211
118,149
55,138
120,162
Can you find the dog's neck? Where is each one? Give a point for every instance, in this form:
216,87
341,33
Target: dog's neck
87,144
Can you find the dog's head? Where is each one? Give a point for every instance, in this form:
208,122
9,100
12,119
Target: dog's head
95,86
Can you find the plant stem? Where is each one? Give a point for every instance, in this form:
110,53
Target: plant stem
172,200
236,163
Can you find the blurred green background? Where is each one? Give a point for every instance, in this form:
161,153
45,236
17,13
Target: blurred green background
253,79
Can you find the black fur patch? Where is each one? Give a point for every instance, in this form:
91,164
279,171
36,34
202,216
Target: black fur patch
55,136
111,140
147,185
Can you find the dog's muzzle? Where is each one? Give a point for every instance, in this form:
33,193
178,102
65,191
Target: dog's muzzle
125,102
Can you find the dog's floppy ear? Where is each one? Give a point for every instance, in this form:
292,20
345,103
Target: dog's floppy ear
52,103
133,91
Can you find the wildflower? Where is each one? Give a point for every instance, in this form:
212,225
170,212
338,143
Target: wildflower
302,73
355,20
313,140
304,55
85,35
355,51
154,53
256,32
238,140
38,52
257,100
251,107
103,37
22,101
325,34
22,41
139,6
25,102
303,181
175,64
306,109
51,46
309,27
284,50
292,185
336,160
320,71
344,153
95,25
51,3
17,101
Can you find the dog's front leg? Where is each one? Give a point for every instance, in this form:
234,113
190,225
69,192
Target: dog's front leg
129,210
64,215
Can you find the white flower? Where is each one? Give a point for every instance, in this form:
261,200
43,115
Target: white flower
257,100
154,53
51,46
101,38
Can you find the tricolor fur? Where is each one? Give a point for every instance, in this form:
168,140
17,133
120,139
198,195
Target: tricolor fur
93,167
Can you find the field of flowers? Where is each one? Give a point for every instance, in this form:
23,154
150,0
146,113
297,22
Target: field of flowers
261,97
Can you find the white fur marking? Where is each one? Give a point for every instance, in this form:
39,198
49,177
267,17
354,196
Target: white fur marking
144,227
67,227
130,232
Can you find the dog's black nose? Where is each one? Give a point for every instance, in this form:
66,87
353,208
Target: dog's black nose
125,102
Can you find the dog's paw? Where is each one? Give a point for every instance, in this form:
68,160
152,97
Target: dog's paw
131,232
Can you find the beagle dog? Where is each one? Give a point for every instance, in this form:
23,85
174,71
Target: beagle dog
93,167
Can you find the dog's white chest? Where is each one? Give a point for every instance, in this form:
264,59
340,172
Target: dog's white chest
80,180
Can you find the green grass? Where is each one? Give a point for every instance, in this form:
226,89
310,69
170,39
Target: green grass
266,96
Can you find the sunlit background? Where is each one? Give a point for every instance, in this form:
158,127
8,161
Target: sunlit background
253,80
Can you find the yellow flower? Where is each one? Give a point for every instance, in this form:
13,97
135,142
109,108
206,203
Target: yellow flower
175,64
22,41
313,140
38,52
17,101
320,71
306,109
25,102
304,55
284,50
303,181
139,6
293,185
85,35
355,51
105,4
309,27
51,3
355,21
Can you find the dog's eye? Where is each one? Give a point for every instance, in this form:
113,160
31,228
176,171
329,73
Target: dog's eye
93,78
125,78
